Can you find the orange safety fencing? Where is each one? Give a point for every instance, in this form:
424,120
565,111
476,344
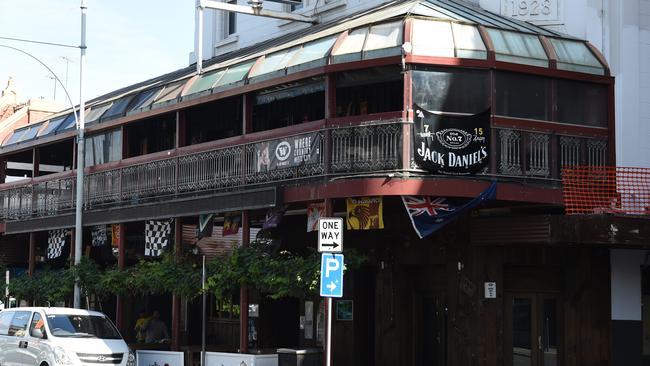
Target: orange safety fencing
606,190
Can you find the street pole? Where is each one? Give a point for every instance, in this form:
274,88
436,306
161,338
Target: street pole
78,228
203,314
328,341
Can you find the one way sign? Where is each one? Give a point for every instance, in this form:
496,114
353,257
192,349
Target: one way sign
331,275
330,235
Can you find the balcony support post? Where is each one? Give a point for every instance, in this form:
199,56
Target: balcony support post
176,299
243,291
121,265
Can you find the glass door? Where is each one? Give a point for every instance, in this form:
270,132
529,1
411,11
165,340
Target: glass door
532,330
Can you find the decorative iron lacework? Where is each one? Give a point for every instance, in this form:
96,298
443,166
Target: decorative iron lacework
570,150
596,152
537,151
510,152
366,148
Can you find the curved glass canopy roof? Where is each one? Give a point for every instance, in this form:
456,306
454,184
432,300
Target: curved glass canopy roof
438,28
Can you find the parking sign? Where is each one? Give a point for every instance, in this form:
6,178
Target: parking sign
331,275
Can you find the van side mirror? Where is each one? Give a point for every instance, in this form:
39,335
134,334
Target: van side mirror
38,333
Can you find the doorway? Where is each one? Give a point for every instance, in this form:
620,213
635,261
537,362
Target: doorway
429,325
533,329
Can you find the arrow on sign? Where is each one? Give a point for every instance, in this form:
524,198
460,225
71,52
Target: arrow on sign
331,286
333,245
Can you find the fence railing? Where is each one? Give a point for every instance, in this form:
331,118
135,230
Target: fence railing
371,147
606,190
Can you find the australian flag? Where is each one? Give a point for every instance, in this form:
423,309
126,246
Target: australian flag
429,214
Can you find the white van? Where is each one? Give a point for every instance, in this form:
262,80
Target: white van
60,336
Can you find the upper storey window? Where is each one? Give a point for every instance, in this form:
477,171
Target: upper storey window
576,56
519,48
451,90
451,40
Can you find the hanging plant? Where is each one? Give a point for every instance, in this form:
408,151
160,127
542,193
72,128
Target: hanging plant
280,275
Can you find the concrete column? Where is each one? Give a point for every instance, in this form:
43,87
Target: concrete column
627,326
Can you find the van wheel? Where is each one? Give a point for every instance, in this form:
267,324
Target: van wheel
44,364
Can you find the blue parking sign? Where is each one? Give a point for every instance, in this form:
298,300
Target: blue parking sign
331,275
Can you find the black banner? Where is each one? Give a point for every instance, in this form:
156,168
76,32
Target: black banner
288,152
451,144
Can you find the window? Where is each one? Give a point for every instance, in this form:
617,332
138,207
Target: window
581,103
522,96
82,326
449,90
369,91
296,6
18,324
289,105
37,326
231,21
5,320
214,121
104,148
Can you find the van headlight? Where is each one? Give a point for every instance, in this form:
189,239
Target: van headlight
130,360
61,356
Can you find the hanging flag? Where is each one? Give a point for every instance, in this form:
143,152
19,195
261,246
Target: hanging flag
430,214
156,237
55,243
365,213
314,212
115,235
274,217
206,224
231,222
98,234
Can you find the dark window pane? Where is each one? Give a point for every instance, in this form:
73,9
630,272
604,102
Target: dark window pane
446,90
232,20
581,103
522,96
369,91
289,106
214,121
521,332
550,343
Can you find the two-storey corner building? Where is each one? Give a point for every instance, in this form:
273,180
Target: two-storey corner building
418,107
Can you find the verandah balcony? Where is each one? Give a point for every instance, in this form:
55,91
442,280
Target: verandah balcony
375,145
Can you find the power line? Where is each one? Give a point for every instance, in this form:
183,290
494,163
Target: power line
38,42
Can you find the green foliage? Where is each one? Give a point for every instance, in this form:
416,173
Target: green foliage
277,274
280,275
47,286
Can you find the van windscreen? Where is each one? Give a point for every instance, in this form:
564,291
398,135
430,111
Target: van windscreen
82,326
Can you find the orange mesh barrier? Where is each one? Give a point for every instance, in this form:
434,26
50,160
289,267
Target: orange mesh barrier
606,190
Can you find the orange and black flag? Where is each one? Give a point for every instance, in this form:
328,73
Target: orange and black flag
365,213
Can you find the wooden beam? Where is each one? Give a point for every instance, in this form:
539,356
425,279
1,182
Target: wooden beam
243,291
32,254
176,300
121,265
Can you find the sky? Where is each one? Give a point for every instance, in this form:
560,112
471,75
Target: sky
128,41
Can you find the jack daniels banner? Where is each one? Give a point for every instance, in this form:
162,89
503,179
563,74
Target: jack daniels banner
457,145
288,152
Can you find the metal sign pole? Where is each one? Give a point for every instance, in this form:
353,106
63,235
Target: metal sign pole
328,346
203,315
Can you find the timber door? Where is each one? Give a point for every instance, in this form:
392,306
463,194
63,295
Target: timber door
532,329
429,329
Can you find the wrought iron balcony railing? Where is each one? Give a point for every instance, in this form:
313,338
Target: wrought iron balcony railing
327,150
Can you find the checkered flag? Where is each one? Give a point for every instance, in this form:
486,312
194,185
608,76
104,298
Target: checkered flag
55,243
156,237
99,237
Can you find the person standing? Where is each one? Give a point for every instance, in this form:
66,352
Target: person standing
156,329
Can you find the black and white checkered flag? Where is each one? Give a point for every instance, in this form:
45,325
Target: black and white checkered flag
156,237
55,243
99,237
